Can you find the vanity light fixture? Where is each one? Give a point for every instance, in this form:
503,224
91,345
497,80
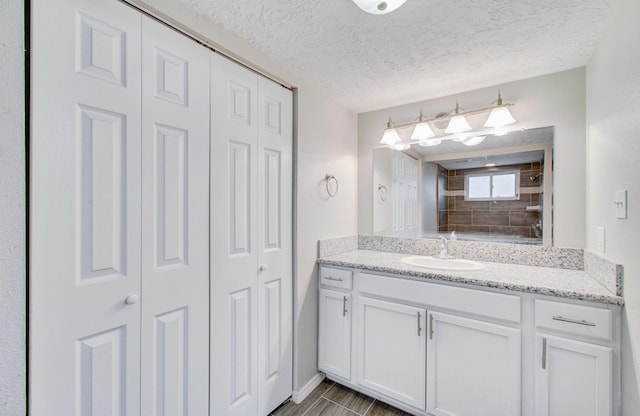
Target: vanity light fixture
457,127
390,135
422,131
500,115
430,142
458,123
379,6
473,141
401,146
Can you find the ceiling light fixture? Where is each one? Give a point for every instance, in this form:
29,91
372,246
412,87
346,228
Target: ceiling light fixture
379,6
457,127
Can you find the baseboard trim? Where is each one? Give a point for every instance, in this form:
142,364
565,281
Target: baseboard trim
299,395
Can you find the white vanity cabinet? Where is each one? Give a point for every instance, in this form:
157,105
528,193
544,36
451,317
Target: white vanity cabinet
473,367
441,349
334,337
391,350
574,369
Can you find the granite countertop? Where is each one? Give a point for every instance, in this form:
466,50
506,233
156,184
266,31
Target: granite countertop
572,284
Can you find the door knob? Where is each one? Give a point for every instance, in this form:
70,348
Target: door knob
131,300
263,268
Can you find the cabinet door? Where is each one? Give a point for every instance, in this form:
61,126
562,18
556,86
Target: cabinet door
391,345
334,355
572,378
473,367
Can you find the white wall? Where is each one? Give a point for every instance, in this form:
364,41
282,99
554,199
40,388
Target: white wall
325,143
551,100
12,207
613,162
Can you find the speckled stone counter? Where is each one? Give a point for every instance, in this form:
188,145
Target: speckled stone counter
565,283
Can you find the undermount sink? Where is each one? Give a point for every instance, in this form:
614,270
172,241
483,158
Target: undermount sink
442,264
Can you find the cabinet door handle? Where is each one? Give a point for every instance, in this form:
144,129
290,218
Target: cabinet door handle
337,279
573,321
544,353
344,306
419,327
430,326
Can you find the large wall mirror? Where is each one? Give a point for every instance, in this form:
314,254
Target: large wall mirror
499,190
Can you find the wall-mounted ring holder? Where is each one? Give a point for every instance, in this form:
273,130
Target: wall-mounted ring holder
382,193
328,177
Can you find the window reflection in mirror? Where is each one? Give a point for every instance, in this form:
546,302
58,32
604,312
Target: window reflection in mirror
426,193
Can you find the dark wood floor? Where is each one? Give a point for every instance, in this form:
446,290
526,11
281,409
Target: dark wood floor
332,399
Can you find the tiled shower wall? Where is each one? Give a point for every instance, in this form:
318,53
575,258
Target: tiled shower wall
493,217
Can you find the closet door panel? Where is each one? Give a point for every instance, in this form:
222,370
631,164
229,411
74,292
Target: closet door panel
85,209
275,295
175,235
234,242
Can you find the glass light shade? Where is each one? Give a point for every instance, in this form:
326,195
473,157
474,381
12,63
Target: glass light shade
473,141
401,146
430,142
390,137
457,124
421,132
379,6
499,117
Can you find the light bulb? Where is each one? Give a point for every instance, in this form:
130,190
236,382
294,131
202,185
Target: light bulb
457,124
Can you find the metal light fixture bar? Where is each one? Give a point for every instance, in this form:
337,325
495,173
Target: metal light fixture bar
458,128
449,116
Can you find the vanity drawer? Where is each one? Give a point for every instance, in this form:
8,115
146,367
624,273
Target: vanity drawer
332,277
574,319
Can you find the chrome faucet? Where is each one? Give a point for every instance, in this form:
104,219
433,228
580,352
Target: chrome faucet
444,249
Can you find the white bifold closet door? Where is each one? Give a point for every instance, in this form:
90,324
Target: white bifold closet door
175,223
251,276
118,214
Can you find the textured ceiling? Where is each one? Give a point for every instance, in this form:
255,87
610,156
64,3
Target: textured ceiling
423,50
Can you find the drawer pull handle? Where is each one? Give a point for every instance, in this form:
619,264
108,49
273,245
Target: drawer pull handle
544,353
337,279
572,321
344,306
419,327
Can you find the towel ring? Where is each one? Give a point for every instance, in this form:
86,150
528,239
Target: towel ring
382,192
328,177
